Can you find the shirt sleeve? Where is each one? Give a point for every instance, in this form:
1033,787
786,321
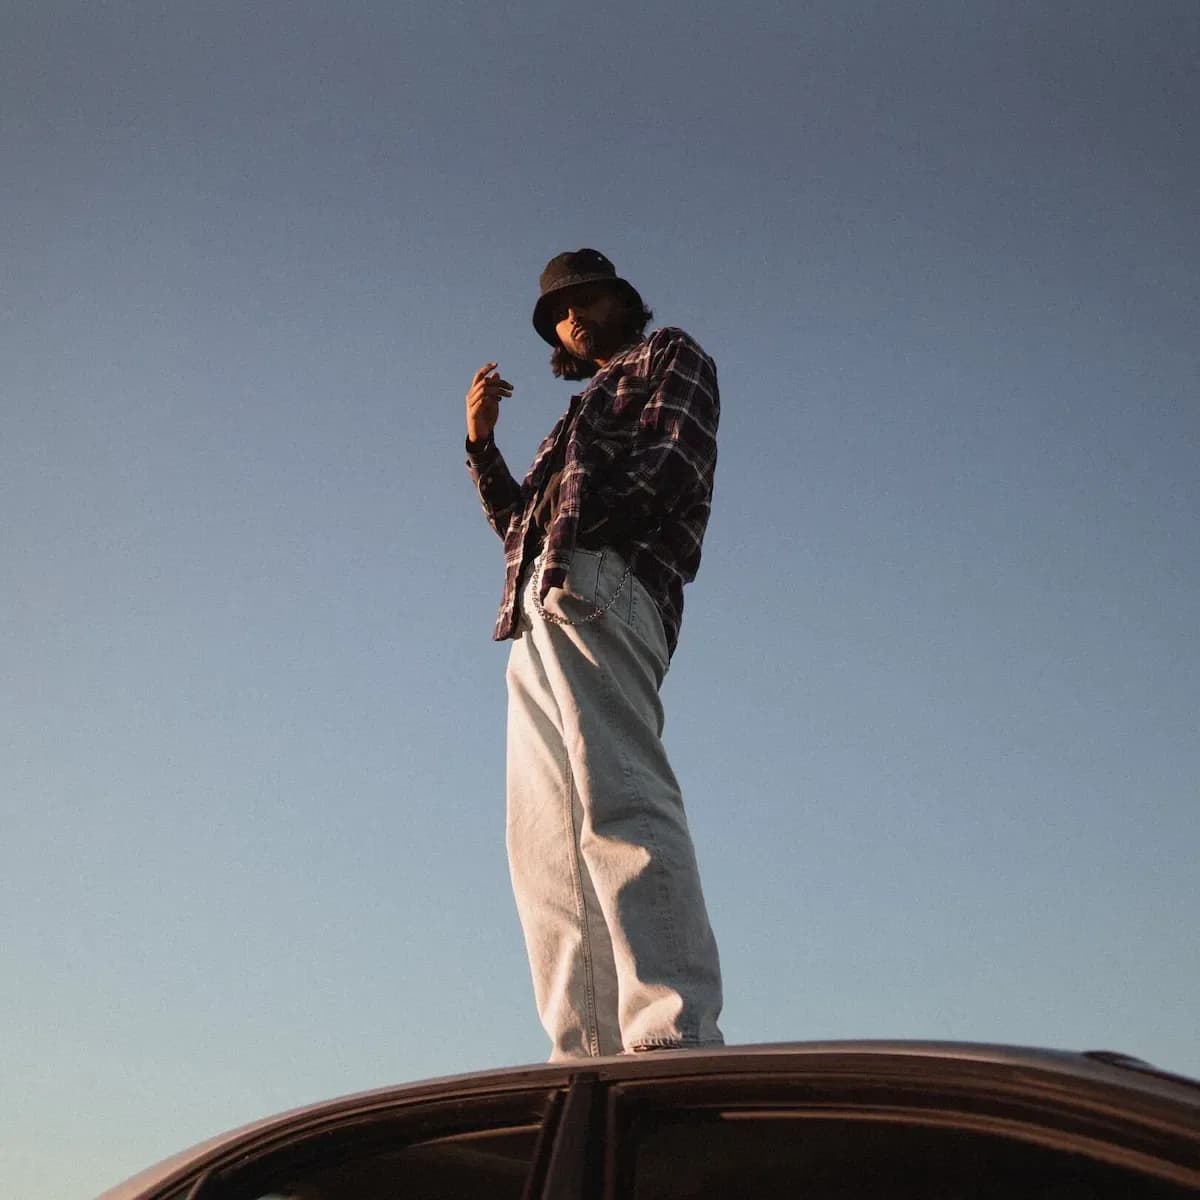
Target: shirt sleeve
674,453
499,492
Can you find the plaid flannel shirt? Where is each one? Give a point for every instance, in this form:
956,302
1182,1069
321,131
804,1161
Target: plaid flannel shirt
638,454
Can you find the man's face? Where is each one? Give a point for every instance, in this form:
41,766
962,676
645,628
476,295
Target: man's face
590,320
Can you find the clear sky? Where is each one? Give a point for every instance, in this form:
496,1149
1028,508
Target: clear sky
936,706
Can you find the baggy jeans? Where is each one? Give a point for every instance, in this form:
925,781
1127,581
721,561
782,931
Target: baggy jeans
602,863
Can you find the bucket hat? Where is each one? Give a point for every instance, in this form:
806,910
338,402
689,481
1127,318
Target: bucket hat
568,270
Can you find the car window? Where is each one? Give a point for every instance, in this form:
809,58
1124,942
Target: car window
706,1154
457,1151
492,1164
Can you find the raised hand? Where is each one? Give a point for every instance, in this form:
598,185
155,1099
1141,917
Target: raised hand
483,401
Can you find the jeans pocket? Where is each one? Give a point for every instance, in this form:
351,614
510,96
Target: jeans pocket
616,586
649,623
577,599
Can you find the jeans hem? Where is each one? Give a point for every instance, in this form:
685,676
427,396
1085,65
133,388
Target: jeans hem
646,1044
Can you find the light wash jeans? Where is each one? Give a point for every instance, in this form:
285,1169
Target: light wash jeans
602,863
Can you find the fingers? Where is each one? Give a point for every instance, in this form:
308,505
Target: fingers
491,387
483,381
485,371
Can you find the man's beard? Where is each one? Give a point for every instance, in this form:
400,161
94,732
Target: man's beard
585,341
598,340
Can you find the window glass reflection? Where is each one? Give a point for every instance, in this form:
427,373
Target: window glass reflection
706,1155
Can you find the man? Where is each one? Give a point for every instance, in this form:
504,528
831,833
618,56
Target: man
599,541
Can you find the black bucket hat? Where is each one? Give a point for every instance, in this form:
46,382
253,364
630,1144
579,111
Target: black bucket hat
570,270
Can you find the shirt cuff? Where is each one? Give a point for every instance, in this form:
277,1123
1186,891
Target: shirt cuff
552,577
480,450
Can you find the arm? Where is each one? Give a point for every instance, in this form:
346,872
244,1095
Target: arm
499,493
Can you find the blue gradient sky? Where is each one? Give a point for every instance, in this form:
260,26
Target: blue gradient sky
936,707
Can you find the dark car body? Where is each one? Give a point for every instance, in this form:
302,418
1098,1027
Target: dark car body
821,1120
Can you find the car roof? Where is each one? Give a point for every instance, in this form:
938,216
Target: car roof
1103,1068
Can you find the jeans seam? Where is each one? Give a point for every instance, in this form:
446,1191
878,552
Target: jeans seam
662,910
596,599
589,986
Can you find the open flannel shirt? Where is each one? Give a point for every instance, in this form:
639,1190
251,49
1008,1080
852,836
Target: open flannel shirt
636,452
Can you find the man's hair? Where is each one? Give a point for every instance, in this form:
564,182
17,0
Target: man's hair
567,366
